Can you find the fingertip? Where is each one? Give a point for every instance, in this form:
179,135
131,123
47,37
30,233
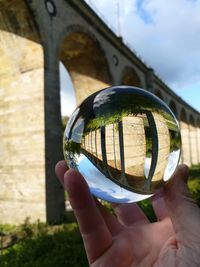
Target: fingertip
77,189
60,169
184,171
184,167
74,182
60,165
72,172
183,210
180,176
177,186
72,178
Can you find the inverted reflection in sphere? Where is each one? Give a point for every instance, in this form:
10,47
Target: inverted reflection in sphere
124,141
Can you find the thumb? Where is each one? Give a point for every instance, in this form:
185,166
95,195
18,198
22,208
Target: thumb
184,212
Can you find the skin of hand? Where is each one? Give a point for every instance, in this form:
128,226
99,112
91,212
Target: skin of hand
128,239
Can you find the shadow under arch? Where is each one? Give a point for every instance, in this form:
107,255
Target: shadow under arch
198,123
159,94
192,121
21,44
16,19
86,62
183,116
130,77
173,107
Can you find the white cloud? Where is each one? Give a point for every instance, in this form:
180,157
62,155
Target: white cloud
171,44
165,33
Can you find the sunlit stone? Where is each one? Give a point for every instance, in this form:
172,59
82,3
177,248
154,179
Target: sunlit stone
124,141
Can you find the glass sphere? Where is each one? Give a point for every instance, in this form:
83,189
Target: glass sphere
125,142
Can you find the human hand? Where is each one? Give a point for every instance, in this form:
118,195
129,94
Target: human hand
129,239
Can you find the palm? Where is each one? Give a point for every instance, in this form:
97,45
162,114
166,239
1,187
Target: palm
138,243
129,239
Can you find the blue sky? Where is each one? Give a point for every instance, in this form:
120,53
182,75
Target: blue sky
166,34
142,13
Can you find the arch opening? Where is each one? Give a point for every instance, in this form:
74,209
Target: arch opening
183,116
86,62
130,77
198,123
192,123
173,107
159,94
67,95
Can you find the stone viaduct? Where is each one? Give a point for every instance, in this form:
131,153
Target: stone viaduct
35,35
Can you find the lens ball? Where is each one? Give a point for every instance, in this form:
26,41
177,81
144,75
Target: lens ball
125,142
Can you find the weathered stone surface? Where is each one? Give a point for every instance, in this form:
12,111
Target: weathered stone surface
23,176
22,125
193,145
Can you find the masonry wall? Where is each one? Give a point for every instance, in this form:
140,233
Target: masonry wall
185,135
22,156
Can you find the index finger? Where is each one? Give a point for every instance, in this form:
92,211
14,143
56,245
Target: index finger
60,169
92,225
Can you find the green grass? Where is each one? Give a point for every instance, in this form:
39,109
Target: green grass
194,182
43,245
46,246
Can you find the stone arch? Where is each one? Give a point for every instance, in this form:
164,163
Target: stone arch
183,116
130,77
86,62
173,107
16,20
193,140
159,94
185,138
22,117
191,120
